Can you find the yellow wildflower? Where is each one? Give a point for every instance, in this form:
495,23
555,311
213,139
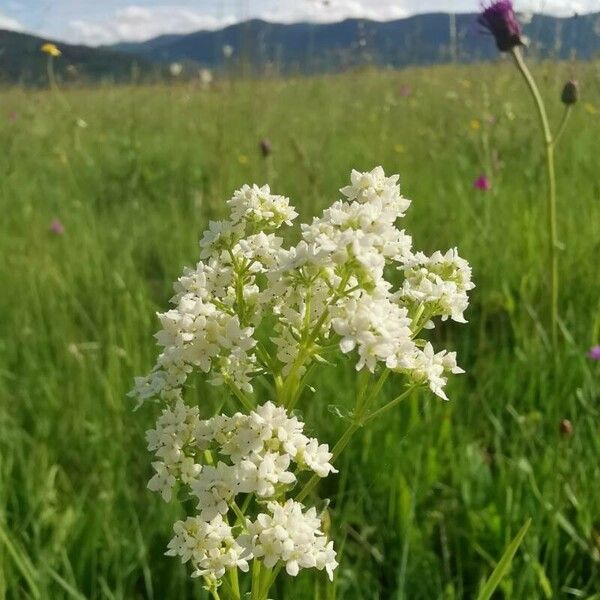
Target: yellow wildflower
590,108
243,159
51,49
466,83
399,148
474,125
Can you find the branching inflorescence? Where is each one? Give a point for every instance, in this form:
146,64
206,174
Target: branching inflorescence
253,308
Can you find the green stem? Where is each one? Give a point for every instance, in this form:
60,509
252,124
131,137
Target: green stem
255,591
234,583
563,124
390,404
212,589
551,189
362,403
270,581
245,401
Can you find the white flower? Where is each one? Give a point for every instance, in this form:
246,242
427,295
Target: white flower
440,282
163,481
376,327
374,186
316,457
257,206
173,443
288,534
425,366
209,546
214,487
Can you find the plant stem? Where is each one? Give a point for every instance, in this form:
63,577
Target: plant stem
390,404
235,584
563,124
256,591
359,420
549,144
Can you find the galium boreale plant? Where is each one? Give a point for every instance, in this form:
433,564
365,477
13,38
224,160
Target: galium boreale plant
500,20
253,309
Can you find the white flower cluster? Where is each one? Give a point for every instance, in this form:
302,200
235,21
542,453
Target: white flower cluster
250,454
209,545
253,306
288,534
439,282
333,282
218,304
338,272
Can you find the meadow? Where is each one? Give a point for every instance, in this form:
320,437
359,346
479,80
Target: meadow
431,495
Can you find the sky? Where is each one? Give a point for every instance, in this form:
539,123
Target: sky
96,22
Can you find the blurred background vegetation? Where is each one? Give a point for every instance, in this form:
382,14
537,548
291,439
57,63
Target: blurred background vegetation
104,192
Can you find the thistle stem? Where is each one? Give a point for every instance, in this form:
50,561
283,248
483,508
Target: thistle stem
549,145
563,124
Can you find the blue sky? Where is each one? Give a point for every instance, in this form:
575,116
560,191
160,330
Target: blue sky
107,21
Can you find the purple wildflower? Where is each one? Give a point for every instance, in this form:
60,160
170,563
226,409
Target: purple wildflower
482,183
56,227
500,20
12,116
594,353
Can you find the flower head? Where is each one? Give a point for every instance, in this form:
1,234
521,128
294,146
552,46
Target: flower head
570,93
482,183
50,49
594,353
500,20
56,227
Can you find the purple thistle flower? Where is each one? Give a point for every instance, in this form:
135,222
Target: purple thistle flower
594,353
482,183
500,20
56,227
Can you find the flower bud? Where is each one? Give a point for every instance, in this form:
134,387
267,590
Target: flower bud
570,93
265,147
566,427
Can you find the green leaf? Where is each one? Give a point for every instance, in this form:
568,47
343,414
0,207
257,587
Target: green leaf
503,565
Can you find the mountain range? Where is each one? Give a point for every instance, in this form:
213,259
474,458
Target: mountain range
260,46
422,39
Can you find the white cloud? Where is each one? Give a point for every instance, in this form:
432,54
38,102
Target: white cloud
323,11
157,17
137,23
11,24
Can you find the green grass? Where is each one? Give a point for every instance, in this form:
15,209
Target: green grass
428,499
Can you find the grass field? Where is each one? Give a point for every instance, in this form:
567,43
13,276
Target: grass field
431,496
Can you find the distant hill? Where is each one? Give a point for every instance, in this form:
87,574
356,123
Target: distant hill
21,61
297,48
422,39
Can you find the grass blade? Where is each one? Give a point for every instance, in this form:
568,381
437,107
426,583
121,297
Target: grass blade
503,565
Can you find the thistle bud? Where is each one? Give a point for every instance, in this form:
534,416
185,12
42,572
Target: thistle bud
265,147
570,93
566,427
